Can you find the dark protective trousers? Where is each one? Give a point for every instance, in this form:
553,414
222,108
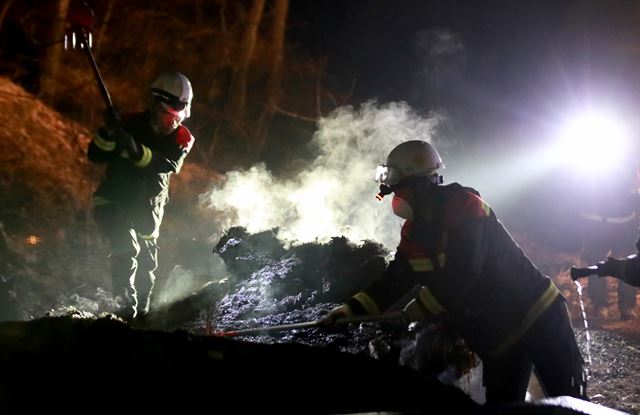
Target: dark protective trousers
617,240
549,348
134,258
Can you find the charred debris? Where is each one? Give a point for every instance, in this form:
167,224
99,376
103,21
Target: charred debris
175,357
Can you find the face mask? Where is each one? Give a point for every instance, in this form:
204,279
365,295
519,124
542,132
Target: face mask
402,208
164,121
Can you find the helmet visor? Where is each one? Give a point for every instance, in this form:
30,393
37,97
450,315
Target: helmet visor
171,103
386,174
382,173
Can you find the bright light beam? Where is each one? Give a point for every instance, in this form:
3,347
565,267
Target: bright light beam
591,142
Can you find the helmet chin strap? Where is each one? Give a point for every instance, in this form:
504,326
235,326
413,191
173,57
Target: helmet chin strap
385,189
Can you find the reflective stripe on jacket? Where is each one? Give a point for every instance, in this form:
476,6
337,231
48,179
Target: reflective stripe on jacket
485,285
140,186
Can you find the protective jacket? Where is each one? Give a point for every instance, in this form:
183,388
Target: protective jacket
140,186
470,268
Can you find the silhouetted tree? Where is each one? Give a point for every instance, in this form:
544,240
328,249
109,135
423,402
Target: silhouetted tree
51,62
274,91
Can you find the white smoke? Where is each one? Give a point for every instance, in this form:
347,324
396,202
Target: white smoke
335,195
93,304
183,282
439,42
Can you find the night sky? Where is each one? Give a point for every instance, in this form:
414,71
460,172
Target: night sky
508,75
511,63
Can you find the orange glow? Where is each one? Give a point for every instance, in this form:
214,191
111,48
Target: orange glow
33,240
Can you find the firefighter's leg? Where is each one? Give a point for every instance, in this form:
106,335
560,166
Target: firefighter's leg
148,227
552,346
124,250
626,300
597,290
506,378
622,243
124,265
145,277
595,248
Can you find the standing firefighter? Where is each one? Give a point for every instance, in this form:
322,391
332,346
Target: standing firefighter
141,152
608,221
475,276
625,269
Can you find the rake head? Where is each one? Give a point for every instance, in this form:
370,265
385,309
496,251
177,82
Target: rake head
80,21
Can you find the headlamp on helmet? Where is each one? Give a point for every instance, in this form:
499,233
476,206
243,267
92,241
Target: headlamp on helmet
411,159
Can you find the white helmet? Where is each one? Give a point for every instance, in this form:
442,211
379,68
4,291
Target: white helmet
410,159
173,90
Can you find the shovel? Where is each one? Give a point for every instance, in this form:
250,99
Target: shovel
307,324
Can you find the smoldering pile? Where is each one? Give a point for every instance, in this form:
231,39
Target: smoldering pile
269,284
272,284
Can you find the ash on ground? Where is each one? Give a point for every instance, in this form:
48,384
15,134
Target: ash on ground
612,357
274,285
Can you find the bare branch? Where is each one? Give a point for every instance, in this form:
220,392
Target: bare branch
294,115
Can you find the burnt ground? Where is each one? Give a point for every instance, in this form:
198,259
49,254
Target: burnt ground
302,283
614,367
610,346
270,284
179,350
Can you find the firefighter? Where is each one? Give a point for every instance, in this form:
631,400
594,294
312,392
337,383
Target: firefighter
473,275
141,152
625,269
608,222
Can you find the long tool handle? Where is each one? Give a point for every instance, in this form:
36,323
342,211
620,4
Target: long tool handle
376,317
256,330
80,20
82,34
315,323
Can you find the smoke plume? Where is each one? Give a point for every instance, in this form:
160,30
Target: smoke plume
335,194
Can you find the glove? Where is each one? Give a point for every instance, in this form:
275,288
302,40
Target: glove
112,121
613,267
339,312
413,311
126,142
104,134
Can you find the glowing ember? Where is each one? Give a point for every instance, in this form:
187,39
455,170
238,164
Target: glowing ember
33,240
